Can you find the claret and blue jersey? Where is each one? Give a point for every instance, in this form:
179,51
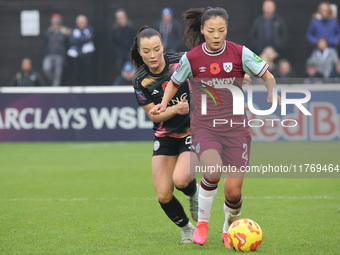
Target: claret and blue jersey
210,72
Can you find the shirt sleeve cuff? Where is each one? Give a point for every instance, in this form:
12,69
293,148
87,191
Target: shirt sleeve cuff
176,83
263,70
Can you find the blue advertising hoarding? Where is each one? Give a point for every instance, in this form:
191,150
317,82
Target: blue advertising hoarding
112,114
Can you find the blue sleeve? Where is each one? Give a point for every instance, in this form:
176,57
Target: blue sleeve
183,71
253,64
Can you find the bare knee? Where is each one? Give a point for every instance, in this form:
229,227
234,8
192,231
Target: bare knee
181,182
164,196
233,195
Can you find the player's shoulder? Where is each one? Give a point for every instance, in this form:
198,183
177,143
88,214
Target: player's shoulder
236,46
195,52
234,49
139,75
173,57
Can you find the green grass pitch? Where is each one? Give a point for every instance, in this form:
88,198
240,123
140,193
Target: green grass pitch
98,198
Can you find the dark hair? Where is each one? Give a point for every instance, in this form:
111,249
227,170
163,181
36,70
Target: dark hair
195,18
144,31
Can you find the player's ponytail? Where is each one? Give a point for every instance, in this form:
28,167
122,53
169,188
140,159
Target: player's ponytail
195,19
192,32
144,31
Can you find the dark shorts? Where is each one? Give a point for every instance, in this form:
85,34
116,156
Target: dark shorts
234,151
171,146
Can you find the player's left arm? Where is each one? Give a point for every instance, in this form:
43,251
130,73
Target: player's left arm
254,65
270,83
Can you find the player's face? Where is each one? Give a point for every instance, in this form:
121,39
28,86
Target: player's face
151,51
215,32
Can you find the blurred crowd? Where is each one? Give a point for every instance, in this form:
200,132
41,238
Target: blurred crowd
268,37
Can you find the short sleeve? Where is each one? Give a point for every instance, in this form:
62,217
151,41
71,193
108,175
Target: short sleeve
182,72
253,64
142,94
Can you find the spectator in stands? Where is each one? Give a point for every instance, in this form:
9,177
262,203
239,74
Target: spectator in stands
270,55
324,25
325,57
269,29
27,77
125,78
335,74
122,36
81,50
55,44
171,31
284,73
312,76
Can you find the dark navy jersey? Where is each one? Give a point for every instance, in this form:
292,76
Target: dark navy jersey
149,88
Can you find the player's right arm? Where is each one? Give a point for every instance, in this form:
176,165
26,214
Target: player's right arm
181,108
145,100
170,92
178,77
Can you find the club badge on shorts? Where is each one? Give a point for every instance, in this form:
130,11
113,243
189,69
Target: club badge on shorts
156,145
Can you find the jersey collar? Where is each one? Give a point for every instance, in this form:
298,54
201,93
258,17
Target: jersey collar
213,53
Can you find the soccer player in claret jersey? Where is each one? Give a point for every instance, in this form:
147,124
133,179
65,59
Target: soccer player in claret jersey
172,144
216,62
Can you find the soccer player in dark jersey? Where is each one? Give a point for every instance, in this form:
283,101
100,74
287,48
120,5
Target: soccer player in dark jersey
172,143
217,64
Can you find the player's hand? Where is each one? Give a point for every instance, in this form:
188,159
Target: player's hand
247,79
157,109
182,107
270,99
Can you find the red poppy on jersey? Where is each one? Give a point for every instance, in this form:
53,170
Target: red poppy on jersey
215,68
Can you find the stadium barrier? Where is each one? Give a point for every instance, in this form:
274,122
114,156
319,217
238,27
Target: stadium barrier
112,114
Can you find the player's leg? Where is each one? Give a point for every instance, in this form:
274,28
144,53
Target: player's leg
184,179
209,183
207,193
236,155
208,150
164,161
232,204
184,182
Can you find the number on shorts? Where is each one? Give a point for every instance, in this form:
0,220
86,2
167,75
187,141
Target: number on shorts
245,154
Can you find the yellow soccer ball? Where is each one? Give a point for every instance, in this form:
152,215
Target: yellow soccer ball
244,235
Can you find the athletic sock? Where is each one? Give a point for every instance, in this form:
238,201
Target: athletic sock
207,194
174,210
187,226
190,190
232,211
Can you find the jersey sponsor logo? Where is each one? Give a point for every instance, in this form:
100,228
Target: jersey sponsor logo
164,85
156,145
154,92
202,69
140,96
257,58
218,83
228,66
215,68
